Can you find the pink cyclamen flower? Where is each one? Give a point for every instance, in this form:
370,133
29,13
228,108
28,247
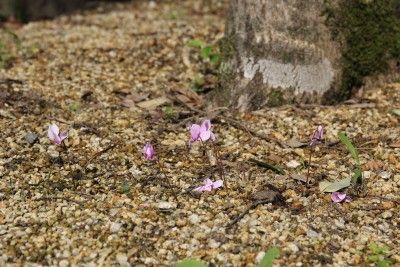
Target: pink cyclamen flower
316,138
201,132
209,185
55,136
149,152
338,197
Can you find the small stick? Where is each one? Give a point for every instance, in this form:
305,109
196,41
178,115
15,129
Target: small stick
247,210
97,154
267,166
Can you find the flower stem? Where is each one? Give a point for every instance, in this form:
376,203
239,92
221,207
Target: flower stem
161,167
219,162
309,165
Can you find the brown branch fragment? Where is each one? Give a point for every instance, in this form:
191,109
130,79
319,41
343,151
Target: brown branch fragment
246,211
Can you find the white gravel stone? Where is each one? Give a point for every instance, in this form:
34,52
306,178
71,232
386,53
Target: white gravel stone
115,227
293,247
293,164
122,259
194,219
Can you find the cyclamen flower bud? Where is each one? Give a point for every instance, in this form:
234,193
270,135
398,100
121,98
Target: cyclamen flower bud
317,136
148,151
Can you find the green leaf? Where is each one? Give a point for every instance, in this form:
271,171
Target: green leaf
357,176
206,52
383,263
330,187
214,59
269,257
196,43
191,263
378,249
373,258
373,247
349,145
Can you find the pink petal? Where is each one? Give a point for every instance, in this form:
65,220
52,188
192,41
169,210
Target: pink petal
208,185
217,184
204,136
63,136
208,182
195,130
203,188
53,132
320,131
206,125
338,197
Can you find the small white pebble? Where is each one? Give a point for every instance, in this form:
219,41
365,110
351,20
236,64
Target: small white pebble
115,227
194,219
293,164
122,259
259,256
293,247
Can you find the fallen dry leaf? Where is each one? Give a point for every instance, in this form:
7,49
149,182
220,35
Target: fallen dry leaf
187,96
153,103
131,99
299,177
294,143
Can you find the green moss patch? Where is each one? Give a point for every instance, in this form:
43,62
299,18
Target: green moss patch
369,31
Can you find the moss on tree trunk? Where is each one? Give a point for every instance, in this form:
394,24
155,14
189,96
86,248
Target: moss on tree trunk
370,32
276,52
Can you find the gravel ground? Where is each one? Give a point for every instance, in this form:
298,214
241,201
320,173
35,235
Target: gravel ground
99,203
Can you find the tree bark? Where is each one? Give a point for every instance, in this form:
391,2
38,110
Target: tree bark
285,51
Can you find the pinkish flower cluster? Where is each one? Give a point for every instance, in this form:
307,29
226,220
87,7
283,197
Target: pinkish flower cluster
338,197
201,132
317,136
209,185
55,136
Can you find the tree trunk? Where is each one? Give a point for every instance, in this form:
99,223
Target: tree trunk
284,51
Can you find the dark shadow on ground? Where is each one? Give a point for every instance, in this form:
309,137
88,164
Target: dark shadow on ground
28,10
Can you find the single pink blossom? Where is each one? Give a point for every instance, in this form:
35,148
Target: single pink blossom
148,151
55,136
338,197
209,185
201,132
317,136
